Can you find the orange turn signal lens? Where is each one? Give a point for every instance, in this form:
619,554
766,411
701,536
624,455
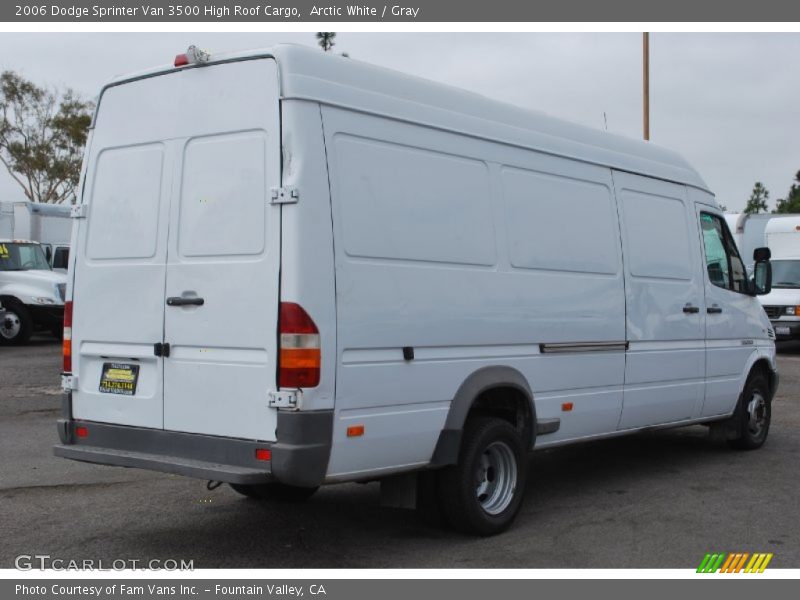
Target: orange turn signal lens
566,407
355,431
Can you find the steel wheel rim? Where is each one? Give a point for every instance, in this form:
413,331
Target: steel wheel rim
496,478
10,326
757,414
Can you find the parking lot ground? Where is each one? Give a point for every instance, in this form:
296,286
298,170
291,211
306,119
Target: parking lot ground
660,499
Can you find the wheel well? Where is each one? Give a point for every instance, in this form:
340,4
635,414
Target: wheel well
507,403
762,366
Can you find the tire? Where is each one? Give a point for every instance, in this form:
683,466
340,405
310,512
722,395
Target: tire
16,327
277,492
483,493
753,414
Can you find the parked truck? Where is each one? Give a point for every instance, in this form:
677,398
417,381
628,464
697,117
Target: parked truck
750,231
48,224
31,292
782,305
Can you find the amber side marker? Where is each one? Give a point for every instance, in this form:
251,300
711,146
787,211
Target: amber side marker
355,431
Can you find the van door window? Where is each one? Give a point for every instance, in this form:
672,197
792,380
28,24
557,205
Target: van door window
725,267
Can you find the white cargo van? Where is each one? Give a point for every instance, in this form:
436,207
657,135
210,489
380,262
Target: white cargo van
292,269
782,305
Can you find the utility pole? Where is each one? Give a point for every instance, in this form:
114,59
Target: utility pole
646,83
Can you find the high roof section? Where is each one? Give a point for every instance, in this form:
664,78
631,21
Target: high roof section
310,74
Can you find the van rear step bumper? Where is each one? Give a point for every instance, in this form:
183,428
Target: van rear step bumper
167,464
299,456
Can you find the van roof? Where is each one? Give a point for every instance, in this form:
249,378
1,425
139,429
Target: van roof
310,74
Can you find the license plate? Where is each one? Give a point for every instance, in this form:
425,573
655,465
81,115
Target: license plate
783,331
119,378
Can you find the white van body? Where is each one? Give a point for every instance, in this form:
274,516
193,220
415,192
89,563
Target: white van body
782,304
456,255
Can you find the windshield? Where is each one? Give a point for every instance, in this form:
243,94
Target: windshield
22,257
786,273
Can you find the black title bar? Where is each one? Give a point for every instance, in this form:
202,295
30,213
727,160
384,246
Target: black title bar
115,11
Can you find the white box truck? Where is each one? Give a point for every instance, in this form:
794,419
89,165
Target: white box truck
292,269
47,224
782,305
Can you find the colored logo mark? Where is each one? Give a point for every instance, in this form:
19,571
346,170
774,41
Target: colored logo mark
737,562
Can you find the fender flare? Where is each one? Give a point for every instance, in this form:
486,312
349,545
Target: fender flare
759,355
478,382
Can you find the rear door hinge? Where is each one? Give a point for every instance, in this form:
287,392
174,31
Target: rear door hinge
285,399
160,349
284,195
78,211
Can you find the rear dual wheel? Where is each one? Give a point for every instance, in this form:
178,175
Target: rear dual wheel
483,493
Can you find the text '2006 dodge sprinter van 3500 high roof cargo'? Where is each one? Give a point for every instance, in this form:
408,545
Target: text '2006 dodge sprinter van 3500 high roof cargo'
293,269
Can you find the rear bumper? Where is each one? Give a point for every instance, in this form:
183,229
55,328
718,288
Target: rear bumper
793,330
299,456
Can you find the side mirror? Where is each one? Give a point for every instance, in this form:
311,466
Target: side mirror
762,254
762,278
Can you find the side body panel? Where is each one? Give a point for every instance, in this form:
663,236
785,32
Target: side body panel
474,254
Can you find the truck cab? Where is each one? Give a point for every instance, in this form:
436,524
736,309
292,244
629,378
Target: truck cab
782,304
31,293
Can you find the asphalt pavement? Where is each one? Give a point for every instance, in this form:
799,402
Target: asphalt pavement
659,499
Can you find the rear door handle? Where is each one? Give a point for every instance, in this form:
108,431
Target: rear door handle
713,310
181,301
690,310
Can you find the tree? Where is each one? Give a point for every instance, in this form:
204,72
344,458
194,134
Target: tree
790,204
325,40
758,200
42,135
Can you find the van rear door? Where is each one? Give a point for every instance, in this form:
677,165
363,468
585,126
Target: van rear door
181,248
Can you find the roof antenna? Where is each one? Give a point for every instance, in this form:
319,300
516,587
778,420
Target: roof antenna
605,120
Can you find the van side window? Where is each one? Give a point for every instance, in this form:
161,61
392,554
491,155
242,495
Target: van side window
725,267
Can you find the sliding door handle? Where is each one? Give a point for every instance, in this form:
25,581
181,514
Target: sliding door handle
713,310
690,310
181,301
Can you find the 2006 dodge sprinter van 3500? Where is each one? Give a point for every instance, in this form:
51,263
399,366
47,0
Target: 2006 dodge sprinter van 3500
293,269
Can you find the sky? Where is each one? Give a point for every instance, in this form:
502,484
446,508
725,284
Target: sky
728,102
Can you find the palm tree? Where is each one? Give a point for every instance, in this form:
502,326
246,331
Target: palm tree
325,40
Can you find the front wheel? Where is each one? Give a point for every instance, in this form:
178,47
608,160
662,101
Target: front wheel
483,493
753,414
279,492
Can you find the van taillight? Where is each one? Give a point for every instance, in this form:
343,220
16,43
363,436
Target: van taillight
300,356
66,345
